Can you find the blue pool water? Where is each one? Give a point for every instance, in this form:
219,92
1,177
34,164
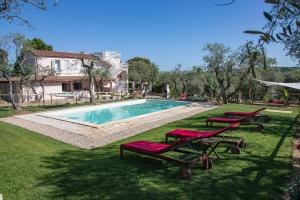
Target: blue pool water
103,115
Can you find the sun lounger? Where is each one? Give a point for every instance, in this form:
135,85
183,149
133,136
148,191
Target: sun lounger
211,138
240,114
186,160
252,118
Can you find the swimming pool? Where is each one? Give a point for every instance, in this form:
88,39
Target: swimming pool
117,111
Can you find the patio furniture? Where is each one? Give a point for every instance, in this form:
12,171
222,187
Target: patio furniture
238,114
187,158
252,118
183,96
211,138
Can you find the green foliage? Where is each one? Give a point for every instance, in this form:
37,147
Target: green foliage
266,99
39,44
100,75
142,70
282,26
12,10
285,96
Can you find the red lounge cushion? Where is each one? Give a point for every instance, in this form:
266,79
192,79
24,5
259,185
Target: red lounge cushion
190,133
151,147
238,113
276,101
221,119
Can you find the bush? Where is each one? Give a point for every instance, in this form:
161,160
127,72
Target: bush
197,98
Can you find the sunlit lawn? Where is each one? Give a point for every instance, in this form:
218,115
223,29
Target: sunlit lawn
36,167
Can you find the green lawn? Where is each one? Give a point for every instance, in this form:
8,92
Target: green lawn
36,167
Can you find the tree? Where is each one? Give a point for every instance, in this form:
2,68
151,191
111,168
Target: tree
7,70
88,68
231,68
11,10
39,44
283,25
221,63
18,71
100,75
39,76
142,70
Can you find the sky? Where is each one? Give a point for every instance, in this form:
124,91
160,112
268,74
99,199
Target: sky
168,32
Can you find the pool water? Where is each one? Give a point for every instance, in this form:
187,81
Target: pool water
103,115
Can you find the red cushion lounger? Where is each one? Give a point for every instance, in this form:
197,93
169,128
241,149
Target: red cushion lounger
251,118
206,135
242,114
187,160
180,133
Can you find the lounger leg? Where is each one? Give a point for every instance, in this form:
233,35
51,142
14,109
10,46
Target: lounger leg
242,144
207,162
235,150
259,127
121,152
186,173
213,149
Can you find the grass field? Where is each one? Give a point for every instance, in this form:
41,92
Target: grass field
36,167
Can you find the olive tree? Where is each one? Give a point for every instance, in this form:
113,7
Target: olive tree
18,70
142,71
88,67
12,10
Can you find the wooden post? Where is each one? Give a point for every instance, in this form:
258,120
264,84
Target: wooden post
72,86
43,99
121,94
51,98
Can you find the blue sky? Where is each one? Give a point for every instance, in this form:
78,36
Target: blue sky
168,32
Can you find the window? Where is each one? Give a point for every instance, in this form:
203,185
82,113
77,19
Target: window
77,86
66,87
56,65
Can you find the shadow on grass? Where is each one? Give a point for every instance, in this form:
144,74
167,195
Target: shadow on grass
100,174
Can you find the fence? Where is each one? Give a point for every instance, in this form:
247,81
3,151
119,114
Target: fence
60,98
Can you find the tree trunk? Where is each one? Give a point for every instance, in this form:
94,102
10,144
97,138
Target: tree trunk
91,88
36,97
224,97
250,92
14,101
141,89
43,91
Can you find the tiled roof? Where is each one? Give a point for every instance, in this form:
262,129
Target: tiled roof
55,54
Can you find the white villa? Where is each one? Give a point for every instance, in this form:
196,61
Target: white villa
68,72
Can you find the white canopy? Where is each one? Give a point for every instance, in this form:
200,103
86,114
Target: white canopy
289,85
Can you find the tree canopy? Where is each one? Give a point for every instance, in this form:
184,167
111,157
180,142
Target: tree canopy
283,26
142,70
39,44
12,10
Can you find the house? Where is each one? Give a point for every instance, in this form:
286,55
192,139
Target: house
68,73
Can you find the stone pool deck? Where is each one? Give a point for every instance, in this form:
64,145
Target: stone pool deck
88,137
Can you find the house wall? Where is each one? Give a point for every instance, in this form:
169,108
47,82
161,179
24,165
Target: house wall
4,91
68,66
49,89
73,67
